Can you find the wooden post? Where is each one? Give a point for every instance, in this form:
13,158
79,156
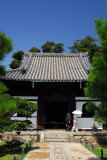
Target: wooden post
86,143
37,136
22,152
32,140
80,141
26,146
30,144
101,154
14,158
92,147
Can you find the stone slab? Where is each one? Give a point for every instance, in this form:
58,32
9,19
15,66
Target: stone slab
79,152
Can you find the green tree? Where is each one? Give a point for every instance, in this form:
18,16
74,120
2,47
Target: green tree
101,30
7,107
8,104
14,64
96,87
24,109
34,49
86,45
5,45
17,59
52,47
59,48
5,48
48,47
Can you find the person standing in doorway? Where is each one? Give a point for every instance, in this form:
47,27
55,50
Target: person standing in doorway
68,121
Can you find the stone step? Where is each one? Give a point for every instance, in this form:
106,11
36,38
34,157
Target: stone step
56,137
57,140
56,134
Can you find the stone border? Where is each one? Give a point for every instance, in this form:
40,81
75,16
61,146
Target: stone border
59,148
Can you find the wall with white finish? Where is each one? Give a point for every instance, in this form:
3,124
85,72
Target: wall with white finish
85,122
33,120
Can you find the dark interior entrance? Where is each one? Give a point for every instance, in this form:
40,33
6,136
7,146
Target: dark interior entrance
54,115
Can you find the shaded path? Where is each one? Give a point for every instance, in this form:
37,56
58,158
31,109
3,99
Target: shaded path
59,151
40,151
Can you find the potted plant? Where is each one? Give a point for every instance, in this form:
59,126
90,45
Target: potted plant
94,128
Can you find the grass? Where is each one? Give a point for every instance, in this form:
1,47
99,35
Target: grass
6,153
97,150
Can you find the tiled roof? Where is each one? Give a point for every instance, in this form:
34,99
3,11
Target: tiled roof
53,67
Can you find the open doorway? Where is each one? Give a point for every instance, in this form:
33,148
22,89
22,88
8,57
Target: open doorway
54,115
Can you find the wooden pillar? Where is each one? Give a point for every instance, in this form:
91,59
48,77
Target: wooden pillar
40,114
72,106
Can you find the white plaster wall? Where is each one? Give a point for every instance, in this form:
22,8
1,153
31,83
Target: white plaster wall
86,123
33,120
79,105
33,115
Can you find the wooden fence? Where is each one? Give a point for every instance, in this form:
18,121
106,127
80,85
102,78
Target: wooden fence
93,148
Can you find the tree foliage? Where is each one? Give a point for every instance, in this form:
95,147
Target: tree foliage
96,86
52,47
17,59
86,45
101,30
14,64
25,108
9,106
3,88
48,47
5,47
18,55
59,48
34,49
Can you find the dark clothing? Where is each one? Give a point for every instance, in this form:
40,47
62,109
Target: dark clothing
68,121
68,115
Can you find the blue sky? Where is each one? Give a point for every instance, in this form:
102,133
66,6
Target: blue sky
31,23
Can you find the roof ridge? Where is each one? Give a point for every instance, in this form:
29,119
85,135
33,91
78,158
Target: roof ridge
56,54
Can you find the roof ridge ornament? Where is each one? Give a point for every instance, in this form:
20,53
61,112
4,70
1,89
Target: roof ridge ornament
82,62
24,66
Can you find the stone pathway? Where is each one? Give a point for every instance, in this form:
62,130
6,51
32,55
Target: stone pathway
79,152
59,151
40,151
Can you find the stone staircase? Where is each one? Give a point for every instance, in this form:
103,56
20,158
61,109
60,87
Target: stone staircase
56,136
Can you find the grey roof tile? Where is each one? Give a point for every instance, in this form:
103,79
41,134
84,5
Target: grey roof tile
51,67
